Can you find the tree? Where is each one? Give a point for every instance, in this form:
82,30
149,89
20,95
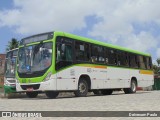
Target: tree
155,69
12,44
158,61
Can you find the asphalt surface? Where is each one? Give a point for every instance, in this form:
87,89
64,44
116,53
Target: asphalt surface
118,101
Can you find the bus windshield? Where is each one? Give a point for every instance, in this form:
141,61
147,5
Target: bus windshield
10,67
10,63
35,58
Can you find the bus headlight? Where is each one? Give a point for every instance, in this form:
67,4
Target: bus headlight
48,76
6,82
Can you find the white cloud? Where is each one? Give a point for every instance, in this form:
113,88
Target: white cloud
30,16
142,42
116,26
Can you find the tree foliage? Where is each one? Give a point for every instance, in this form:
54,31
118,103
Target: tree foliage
12,44
158,61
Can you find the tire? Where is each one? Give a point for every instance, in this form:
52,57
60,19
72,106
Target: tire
132,89
107,91
51,94
82,88
32,94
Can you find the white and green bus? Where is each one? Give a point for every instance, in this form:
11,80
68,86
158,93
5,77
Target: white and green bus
56,62
10,66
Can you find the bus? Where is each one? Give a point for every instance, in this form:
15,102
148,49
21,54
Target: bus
10,66
55,62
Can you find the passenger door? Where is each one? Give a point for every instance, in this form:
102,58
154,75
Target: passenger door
64,59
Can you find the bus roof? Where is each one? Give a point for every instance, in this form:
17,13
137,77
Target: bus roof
103,44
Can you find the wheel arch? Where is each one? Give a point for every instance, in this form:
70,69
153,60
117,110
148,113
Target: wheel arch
134,79
87,78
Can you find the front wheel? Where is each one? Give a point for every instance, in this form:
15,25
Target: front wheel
32,94
132,89
82,89
52,94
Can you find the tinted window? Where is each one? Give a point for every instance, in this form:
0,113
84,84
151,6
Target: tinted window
82,51
133,62
64,52
122,58
97,54
112,58
142,62
148,63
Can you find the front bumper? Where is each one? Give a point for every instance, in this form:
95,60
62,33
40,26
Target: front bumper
9,89
41,86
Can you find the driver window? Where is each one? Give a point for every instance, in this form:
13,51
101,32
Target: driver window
64,52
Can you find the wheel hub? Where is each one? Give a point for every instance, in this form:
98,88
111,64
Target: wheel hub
82,87
133,86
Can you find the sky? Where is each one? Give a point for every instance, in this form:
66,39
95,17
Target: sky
133,24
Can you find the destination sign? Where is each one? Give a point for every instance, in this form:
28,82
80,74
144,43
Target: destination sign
37,38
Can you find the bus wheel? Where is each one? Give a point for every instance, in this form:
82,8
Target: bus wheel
52,94
82,88
132,89
107,92
32,94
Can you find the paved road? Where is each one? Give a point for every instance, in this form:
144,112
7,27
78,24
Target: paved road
141,101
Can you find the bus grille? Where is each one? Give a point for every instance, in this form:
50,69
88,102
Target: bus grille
35,86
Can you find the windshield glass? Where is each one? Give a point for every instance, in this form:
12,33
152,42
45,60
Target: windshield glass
10,63
10,67
35,57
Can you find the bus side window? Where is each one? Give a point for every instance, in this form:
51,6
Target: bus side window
101,54
148,63
112,59
58,54
122,58
94,52
64,52
82,51
133,61
142,62
107,56
68,53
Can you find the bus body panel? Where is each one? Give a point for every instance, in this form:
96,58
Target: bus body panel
67,79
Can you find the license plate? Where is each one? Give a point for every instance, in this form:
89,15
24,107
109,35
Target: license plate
29,89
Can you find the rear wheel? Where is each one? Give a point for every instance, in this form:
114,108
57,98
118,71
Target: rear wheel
31,94
51,94
82,88
132,89
107,91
